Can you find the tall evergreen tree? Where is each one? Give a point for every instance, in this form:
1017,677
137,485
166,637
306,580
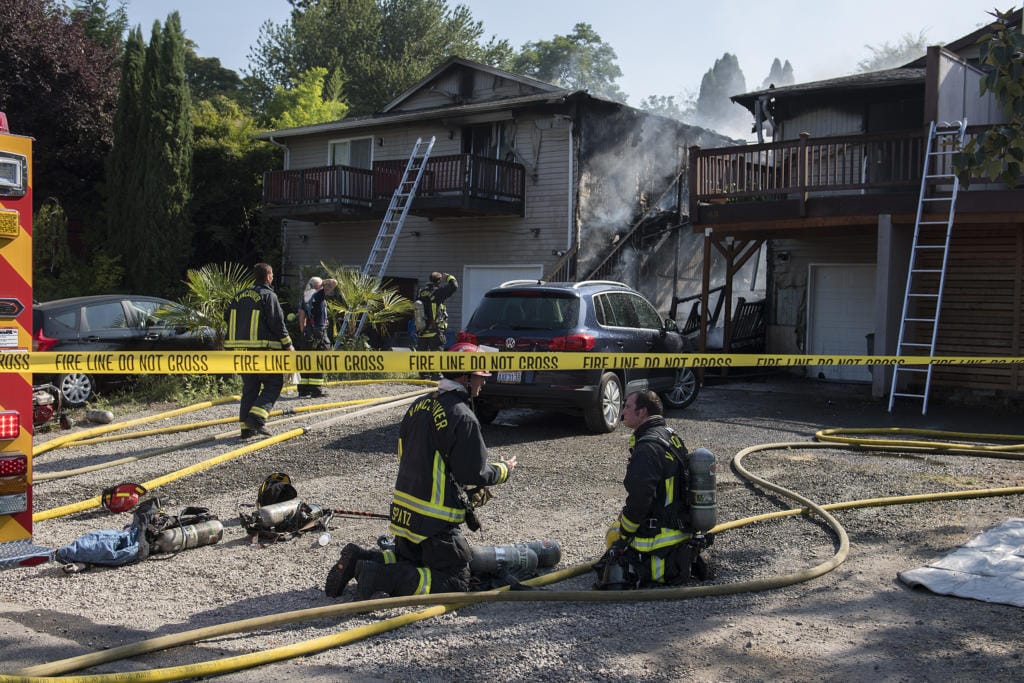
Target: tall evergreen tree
168,155
123,185
714,108
149,174
778,75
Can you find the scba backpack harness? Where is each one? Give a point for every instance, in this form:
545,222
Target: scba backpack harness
694,510
279,514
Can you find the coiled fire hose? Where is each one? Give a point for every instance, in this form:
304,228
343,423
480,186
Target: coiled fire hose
441,603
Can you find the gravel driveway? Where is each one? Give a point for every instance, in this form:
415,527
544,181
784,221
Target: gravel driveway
855,623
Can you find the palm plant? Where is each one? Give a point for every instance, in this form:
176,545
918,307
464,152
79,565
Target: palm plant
210,290
359,294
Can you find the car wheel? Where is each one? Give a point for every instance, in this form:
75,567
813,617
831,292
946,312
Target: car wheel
485,412
684,390
605,415
76,388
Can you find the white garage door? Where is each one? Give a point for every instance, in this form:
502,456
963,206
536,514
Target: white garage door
476,280
840,313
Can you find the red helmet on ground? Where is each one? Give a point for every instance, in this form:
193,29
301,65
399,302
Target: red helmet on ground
122,497
466,346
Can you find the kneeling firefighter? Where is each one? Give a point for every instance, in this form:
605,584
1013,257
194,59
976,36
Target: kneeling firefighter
670,505
441,451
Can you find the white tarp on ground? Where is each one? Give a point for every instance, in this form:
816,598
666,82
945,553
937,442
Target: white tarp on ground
990,567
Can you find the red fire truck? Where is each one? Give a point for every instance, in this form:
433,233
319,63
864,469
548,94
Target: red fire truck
16,547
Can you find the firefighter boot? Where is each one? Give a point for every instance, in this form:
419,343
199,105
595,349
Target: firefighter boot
343,570
257,426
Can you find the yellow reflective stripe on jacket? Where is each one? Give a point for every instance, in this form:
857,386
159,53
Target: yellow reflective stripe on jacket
254,324
670,491
389,557
628,525
423,588
502,471
428,509
396,530
232,322
666,538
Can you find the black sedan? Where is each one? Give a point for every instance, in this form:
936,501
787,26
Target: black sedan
106,322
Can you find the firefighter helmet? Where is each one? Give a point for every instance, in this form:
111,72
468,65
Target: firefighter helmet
466,346
122,497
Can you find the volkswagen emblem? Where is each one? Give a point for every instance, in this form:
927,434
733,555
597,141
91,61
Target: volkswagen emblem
510,343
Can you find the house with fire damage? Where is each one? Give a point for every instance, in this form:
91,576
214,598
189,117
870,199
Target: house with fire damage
833,188
525,180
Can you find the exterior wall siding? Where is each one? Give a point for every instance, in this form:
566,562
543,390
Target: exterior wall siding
822,122
446,244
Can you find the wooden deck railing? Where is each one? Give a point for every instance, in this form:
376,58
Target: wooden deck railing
798,168
463,174
344,184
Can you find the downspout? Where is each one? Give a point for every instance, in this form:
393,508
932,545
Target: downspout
284,221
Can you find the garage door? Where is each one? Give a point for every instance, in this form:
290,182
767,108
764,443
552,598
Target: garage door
478,279
840,313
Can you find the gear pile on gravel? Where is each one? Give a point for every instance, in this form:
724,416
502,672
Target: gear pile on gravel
855,623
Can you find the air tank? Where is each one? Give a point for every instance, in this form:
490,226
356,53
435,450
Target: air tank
189,536
272,516
521,559
701,496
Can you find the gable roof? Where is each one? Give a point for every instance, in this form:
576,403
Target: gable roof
453,63
450,111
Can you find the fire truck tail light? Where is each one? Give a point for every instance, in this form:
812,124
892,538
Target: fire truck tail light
13,465
10,424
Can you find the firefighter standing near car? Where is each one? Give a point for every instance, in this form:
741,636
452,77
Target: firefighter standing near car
313,323
432,327
441,450
255,321
653,542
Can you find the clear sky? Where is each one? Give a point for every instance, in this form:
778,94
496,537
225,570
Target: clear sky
663,46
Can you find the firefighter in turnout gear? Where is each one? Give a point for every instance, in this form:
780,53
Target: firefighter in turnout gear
441,450
313,323
653,541
255,321
434,326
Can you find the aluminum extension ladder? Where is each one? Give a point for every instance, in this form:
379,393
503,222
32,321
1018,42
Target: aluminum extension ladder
929,256
391,226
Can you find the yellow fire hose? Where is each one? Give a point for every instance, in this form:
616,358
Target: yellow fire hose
325,408
446,602
106,429
383,404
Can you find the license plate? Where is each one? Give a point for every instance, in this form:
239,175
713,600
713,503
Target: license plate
510,377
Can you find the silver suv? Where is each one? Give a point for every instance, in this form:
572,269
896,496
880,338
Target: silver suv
594,316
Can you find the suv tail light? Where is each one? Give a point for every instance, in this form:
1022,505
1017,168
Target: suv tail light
572,342
464,336
40,342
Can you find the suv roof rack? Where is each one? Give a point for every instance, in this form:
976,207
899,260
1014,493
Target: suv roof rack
584,283
513,283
